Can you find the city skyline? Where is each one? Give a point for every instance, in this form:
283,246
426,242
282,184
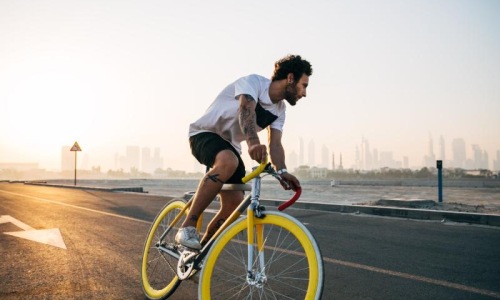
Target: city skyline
146,159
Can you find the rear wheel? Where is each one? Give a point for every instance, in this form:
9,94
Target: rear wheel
288,265
159,261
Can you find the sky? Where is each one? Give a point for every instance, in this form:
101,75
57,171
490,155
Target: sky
111,74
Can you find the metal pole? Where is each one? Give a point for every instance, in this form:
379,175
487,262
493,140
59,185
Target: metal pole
439,165
75,167
440,183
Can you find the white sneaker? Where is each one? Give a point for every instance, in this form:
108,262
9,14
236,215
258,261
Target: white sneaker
188,237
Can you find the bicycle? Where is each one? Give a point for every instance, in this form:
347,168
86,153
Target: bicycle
277,259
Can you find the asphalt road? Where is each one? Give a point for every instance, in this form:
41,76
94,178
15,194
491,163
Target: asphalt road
103,233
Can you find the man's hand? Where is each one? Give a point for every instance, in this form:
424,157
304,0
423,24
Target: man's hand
258,152
293,182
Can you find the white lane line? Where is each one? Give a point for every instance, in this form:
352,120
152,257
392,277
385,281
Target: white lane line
78,207
326,259
414,277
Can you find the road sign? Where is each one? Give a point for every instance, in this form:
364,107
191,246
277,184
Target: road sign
76,147
51,236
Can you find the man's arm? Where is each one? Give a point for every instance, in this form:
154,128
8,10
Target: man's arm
278,157
248,124
276,149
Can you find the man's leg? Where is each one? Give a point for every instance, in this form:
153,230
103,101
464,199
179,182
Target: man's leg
229,202
225,165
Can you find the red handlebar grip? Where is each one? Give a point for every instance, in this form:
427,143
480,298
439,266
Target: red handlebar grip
291,201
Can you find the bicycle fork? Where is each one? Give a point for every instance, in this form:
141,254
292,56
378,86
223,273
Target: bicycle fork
256,271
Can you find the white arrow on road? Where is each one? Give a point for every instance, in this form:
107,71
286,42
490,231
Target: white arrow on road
51,237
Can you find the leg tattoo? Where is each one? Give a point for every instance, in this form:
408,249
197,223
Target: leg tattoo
214,178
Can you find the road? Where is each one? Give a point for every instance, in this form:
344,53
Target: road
102,233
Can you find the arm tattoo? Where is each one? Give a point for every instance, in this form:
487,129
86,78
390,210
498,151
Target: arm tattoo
248,120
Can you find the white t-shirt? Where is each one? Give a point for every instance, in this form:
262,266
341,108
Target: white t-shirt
222,116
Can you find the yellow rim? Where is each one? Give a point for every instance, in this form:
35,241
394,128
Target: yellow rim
148,289
278,220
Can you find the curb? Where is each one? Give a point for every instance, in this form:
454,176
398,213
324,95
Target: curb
406,213
117,189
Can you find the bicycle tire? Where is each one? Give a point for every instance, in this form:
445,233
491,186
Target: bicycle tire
158,272
293,262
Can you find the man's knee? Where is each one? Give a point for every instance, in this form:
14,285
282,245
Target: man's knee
226,163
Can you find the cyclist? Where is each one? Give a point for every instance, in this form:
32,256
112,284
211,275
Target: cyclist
243,108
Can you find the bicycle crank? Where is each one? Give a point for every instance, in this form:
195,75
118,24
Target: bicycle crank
185,264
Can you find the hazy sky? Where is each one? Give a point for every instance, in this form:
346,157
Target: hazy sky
114,73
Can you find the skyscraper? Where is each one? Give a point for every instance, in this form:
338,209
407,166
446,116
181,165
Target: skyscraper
480,158
442,152
324,157
311,151
132,158
430,158
293,161
458,150
496,163
333,161
367,155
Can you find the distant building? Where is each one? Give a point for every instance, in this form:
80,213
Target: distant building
430,158
315,172
480,158
442,149
458,150
386,160
496,163
150,163
324,157
293,161
333,161
311,151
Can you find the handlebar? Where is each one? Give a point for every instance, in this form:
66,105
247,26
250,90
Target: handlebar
291,201
255,172
261,168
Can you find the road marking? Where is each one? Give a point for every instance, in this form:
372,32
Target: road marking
414,277
326,259
78,207
50,237
9,219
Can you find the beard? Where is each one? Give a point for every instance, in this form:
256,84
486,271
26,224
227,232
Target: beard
291,94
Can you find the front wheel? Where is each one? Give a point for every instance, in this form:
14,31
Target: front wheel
288,266
159,261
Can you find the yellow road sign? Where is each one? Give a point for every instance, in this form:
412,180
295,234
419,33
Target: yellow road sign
76,147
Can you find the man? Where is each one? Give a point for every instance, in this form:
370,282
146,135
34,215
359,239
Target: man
243,108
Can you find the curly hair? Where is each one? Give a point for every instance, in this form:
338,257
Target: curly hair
291,64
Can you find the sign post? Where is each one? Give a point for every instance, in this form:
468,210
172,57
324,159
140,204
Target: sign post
75,148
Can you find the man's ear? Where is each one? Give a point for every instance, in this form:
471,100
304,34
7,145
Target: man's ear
290,78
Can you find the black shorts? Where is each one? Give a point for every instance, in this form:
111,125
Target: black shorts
206,145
